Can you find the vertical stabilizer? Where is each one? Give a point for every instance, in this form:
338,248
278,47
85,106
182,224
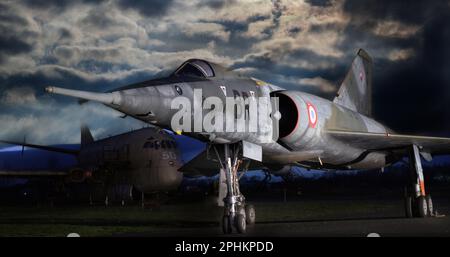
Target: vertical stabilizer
355,92
86,136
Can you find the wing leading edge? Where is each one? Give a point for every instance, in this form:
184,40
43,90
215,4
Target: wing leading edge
32,173
43,147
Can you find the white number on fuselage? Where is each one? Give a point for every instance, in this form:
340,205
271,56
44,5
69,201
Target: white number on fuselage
168,155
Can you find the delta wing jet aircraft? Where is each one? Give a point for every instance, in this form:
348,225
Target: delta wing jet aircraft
292,128
147,160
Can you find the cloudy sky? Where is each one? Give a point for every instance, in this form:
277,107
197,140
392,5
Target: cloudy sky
305,45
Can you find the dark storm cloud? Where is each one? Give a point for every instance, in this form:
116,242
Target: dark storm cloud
236,45
60,76
316,28
366,15
270,68
413,95
8,16
98,19
59,5
11,41
100,51
240,26
147,8
54,119
405,11
268,61
277,11
65,34
294,31
44,4
361,37
13,45
217,4
321,3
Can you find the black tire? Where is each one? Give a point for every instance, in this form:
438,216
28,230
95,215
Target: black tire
241,223
408,206
250,214
415,210
226,224
429,205
241,210
422,207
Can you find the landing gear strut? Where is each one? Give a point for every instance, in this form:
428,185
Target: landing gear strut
417,202
237,214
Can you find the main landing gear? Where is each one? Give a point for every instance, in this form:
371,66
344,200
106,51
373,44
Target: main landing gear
237,214
417,202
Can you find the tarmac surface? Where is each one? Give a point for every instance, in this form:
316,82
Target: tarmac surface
389,222
355,216
383,227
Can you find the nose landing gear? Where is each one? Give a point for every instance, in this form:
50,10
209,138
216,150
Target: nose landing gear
237,215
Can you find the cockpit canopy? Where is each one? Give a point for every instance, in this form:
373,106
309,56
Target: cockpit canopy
196,68
203,69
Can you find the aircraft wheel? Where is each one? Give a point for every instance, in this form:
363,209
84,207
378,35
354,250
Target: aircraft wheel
226,224
429,205
241,210
250,214
408,206
422,207
241,223
415,209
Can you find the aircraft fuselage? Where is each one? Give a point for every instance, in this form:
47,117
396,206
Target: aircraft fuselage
147,158
152,104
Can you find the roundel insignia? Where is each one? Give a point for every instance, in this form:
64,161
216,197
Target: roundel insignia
312,115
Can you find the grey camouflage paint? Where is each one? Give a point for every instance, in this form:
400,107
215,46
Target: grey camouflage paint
307,145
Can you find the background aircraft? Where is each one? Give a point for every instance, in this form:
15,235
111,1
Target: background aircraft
311,132
125,166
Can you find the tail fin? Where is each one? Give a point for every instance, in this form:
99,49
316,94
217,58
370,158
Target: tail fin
86,136
355,92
